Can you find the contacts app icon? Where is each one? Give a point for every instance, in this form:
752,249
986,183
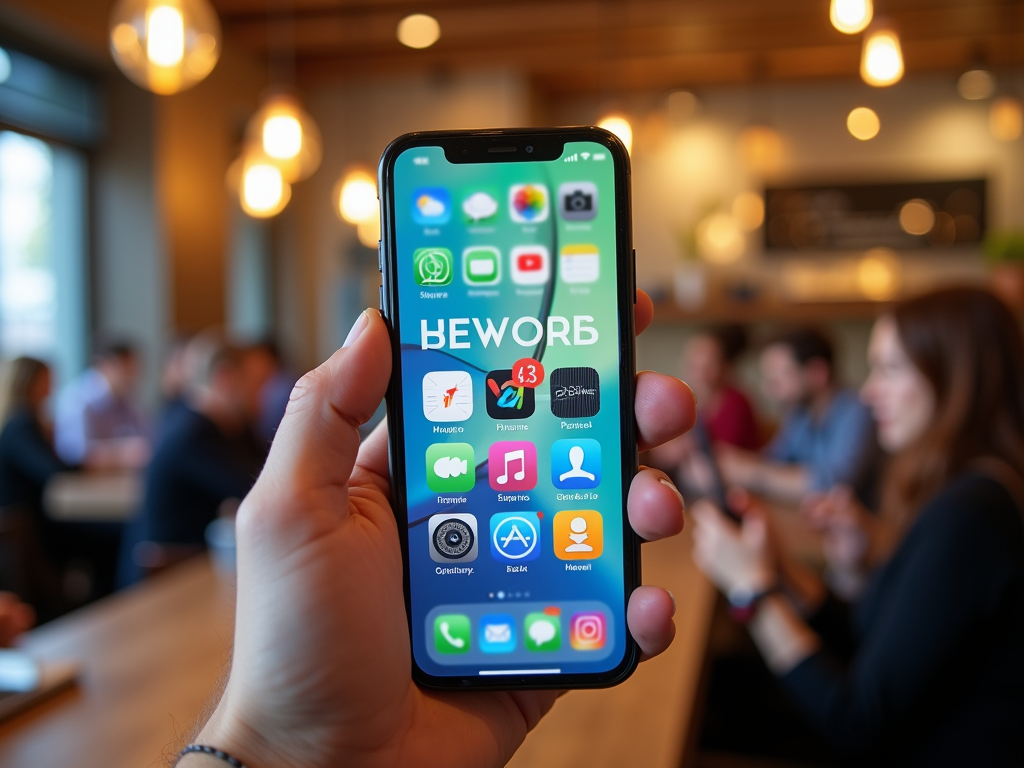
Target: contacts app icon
576,463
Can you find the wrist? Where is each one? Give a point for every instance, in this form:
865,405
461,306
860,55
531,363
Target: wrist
226,732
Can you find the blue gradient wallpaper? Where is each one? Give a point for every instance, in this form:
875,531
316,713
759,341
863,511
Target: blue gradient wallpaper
509,370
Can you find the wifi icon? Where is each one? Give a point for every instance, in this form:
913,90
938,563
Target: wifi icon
585,155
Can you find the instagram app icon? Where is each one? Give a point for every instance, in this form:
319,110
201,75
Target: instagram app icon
587,631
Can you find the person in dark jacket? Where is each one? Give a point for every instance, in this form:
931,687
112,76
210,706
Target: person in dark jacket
207,453
927,668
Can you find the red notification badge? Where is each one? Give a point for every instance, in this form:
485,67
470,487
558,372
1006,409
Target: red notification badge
528,373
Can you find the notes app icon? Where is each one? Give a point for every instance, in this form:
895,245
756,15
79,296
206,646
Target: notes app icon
512,465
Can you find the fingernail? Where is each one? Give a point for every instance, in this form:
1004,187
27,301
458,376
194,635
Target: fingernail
673,597
357,328
672,486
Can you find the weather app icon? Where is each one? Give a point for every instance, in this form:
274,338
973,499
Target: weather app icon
515,536
431,206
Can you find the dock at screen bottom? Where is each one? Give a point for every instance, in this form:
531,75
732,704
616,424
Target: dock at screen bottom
510,637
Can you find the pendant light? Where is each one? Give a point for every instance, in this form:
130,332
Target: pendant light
355,201
263,190
620,126
850,16
881,62
285,133
165,46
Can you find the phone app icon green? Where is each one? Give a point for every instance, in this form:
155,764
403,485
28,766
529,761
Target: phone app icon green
451,467
432,266
451,633
481,265
543,631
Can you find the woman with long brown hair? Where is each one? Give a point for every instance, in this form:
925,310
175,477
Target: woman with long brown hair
936,673
27,458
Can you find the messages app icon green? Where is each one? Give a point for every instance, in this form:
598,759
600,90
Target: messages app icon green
432,266
543,631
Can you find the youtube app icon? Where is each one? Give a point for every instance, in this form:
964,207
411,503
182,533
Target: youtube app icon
531,265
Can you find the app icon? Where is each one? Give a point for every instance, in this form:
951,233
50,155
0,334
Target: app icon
515,536
512,465
576,463
453,536
578,534
431,206
480,208
528,203
450,467
447,396
451,633
587,631
579,264
575,393
481,265
543,630
577,201
432,266
497,633
506,400
531,265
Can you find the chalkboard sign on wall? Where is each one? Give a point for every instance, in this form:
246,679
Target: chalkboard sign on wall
921,216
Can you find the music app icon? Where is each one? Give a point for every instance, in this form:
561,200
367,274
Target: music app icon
512,465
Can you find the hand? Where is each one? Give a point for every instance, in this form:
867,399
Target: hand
738,558
848,530
321,670
15,618
738,467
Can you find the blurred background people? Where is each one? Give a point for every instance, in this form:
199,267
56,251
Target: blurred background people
825,437
272,383
928,669
97,421
207,455
708,367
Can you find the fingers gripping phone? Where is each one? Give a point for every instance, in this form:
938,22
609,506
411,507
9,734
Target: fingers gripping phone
508,286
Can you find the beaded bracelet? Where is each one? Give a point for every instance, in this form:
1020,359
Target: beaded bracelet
219,754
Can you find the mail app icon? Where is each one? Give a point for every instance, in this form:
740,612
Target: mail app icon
497,633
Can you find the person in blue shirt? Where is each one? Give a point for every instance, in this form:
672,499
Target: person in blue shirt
826,437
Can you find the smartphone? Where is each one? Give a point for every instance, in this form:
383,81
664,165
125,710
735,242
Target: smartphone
509,290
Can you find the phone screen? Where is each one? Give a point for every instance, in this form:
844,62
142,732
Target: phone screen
512,437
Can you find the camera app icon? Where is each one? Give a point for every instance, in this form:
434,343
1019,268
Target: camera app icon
453,537
577,201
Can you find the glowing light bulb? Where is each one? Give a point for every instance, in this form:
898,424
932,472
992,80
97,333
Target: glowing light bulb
748,210
282,136
917,217
356,196
165,46
850,16
620,127
881,62
287,135
418,31
878,274
976,84
720,239
863,123
165,36
1006,118
264,192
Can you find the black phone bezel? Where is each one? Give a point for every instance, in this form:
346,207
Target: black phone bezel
509,145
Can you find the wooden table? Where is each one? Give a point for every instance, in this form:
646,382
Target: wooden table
151,655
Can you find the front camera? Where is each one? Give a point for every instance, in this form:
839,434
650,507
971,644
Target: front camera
529,148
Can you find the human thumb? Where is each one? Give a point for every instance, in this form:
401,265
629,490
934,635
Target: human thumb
316,445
